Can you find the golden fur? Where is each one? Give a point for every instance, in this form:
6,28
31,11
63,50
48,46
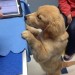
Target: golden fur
49,43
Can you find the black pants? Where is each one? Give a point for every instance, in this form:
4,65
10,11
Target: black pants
70,49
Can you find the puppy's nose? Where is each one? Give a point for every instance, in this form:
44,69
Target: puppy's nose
25,17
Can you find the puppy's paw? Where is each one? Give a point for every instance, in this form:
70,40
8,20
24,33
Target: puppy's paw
26,35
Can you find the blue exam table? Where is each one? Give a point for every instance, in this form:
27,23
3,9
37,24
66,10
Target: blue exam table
11,43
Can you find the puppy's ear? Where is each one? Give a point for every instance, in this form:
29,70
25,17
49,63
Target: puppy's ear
56,27
52,31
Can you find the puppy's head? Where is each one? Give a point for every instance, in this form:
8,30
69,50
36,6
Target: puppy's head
46,17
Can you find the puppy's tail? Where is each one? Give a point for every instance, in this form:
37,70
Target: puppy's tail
67,64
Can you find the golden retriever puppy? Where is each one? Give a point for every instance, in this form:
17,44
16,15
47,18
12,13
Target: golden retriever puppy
47,36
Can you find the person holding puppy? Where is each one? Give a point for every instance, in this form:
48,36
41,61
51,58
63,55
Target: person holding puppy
67,7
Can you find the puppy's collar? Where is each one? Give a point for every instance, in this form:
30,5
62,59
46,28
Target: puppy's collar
67,27
46,27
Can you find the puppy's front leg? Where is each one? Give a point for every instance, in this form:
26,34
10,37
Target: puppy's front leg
33,30
39,53
28,36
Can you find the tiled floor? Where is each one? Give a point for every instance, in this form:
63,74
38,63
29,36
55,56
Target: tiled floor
35,69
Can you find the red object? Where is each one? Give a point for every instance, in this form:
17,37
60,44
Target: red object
67,7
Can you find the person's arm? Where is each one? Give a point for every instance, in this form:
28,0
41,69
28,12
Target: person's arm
65,9
1,13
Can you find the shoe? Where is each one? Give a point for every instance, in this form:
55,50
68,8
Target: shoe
67,57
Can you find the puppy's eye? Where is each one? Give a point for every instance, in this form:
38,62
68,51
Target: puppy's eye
39,17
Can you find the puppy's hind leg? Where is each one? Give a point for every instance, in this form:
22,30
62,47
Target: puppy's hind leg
56,73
